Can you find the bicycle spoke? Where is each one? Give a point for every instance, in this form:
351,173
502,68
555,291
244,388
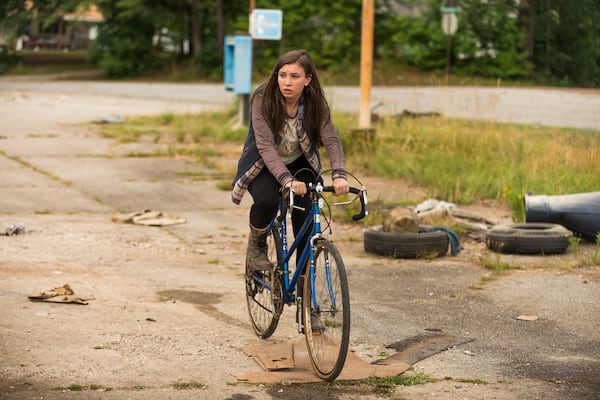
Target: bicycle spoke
327,312
263,292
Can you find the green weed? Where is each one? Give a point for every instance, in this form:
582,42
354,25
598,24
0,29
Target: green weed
495,264
388,383
583,260
80,388
188,385
224,185
514,200
574,243
475,381
596,255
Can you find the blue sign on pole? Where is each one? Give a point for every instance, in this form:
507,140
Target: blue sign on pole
266,24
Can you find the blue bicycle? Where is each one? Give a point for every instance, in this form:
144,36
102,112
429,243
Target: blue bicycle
318,285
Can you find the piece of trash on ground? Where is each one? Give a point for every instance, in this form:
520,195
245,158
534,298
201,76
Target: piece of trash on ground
527,317
149,218
61,294
110,119
13,230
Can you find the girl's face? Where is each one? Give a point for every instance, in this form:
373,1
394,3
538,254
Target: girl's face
291,80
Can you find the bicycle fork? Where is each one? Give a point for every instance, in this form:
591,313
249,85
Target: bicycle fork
300,287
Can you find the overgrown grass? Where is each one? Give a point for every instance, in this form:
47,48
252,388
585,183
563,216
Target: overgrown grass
585,259
494,264
177,129
461,161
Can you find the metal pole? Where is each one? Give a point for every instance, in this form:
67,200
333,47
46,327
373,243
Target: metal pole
244,103
448,53
366,64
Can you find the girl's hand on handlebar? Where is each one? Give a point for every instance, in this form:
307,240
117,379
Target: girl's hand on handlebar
340,186
298,187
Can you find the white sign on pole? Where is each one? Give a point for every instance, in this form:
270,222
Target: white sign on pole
449,23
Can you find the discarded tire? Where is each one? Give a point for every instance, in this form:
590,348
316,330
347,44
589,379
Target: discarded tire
528,238
406,244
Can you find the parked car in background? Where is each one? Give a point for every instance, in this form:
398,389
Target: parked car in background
44,42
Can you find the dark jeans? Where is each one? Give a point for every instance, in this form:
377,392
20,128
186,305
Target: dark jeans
265,192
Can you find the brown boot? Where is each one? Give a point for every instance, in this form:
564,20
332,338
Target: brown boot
256,255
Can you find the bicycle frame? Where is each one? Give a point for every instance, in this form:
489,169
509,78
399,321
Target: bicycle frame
323,307
289,284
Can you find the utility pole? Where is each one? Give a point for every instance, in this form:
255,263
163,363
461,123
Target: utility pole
244,105
366,64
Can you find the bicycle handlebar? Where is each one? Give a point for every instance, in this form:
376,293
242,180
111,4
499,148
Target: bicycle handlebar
361,192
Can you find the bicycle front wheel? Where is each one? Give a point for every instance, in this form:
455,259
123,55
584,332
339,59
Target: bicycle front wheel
264,293
326,312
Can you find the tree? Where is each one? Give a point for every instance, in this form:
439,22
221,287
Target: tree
565,39
330,31
496,38
496,41
139,35
488,42
16,15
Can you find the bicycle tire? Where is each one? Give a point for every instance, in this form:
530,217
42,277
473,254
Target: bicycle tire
327,329
264,293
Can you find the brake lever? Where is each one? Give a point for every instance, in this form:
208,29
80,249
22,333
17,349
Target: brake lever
291,205
361,194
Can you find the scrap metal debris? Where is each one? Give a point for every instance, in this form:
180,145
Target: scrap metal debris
13,230
62,294
149,218
432,210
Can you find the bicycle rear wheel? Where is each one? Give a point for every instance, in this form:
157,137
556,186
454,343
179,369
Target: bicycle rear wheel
326,312
264,293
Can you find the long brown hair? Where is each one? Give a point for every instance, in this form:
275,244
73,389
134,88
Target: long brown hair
315,104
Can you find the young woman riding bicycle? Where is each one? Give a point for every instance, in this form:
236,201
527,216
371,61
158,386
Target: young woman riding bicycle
290,120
